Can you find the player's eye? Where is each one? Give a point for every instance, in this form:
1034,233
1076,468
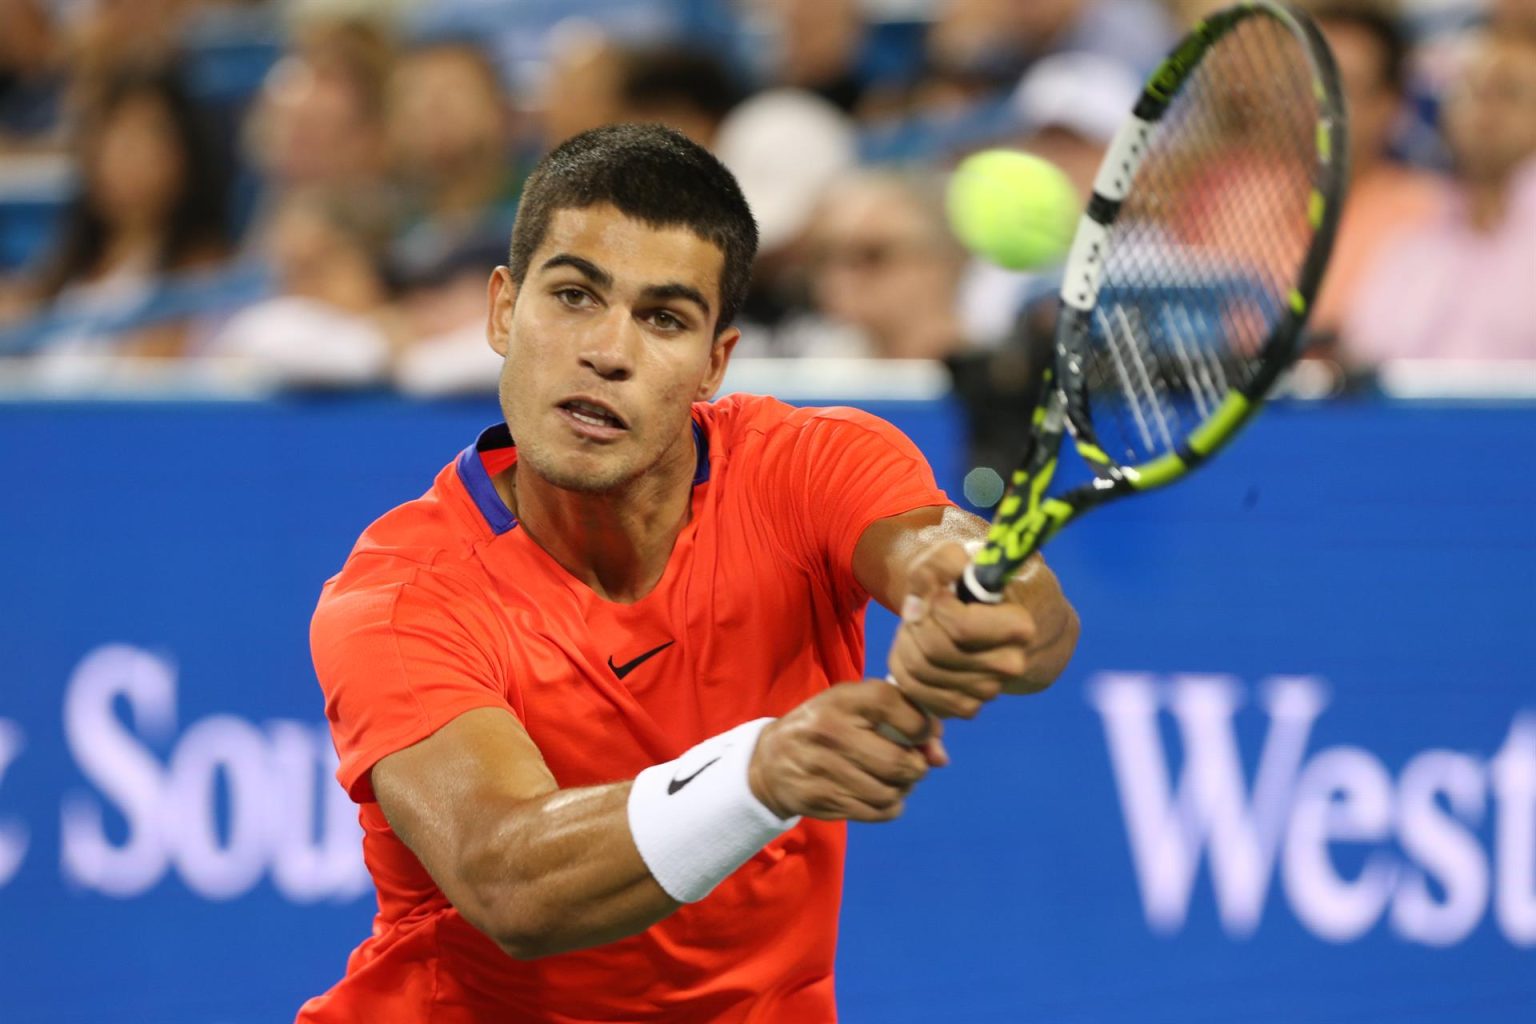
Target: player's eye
574,298
667,321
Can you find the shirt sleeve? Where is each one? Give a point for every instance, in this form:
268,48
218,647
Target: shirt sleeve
397,661
838,471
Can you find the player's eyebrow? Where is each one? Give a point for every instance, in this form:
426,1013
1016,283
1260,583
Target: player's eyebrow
676,290
586,268
604,280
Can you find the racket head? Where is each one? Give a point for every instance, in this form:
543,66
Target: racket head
1192,272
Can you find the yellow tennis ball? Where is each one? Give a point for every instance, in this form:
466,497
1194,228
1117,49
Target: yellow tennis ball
1013,209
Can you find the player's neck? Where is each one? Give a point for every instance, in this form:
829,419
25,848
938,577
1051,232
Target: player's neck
617,543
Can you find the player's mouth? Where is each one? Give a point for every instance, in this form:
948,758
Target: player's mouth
592,419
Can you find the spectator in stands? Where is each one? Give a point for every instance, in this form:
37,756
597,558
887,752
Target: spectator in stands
581,82
1186,12
1460,285
978,50
319,120
817,47
591,80
152,204
884,271
1512,15
31,76
450,135
786,147
996,40
108,38
451,132
1385,196
679,86
330,322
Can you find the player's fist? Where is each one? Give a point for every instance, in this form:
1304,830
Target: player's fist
826,759
950,657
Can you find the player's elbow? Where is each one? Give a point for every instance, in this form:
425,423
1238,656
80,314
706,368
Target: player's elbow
513,918
526,940
501,902
536,931
524,915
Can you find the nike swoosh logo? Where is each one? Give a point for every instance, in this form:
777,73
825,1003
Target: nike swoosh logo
677,784
629,666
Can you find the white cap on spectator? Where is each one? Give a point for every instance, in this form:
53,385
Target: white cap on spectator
1087,94
785,146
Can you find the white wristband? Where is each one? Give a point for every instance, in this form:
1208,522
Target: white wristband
695,819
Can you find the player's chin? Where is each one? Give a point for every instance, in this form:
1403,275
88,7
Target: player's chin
589,472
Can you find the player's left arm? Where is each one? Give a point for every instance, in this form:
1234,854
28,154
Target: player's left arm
948,656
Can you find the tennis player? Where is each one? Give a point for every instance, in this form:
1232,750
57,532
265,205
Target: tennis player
592,690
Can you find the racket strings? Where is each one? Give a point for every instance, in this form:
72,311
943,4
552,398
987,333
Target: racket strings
1207,245
1267,227
1251,221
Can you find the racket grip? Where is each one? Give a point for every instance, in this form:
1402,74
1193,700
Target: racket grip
970,589
888,731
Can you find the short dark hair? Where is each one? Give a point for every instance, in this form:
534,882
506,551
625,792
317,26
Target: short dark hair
1376,21
654,175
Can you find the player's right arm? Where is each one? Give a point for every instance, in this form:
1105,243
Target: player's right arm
545,870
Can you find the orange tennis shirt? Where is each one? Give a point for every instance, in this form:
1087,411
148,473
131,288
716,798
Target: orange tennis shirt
445,606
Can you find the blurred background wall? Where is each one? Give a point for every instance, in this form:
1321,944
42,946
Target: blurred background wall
1291,775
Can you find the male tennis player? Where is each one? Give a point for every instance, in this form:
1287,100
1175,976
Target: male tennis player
583,689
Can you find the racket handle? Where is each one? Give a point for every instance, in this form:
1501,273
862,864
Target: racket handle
970,590
890,732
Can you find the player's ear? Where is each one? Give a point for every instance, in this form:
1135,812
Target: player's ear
501,296
719,359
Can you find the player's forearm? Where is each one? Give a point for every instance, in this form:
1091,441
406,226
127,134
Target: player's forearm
561,872
575,868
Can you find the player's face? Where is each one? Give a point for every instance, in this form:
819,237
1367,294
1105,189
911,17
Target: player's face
607,343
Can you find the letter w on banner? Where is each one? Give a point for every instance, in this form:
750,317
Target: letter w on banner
1211,807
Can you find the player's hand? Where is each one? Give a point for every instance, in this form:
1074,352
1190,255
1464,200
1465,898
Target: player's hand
949,657
826,760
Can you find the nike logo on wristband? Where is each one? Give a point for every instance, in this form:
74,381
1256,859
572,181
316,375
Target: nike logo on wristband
629,666
677,784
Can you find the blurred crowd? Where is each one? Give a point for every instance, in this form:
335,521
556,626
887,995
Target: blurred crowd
312,192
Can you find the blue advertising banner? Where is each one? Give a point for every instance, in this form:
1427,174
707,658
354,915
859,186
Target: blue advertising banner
1291,775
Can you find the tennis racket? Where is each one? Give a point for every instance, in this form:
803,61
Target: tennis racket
1190,277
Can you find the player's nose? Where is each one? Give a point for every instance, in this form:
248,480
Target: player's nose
609,347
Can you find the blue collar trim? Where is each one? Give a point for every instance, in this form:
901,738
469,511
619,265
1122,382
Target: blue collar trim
701,446
480,487
478,482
